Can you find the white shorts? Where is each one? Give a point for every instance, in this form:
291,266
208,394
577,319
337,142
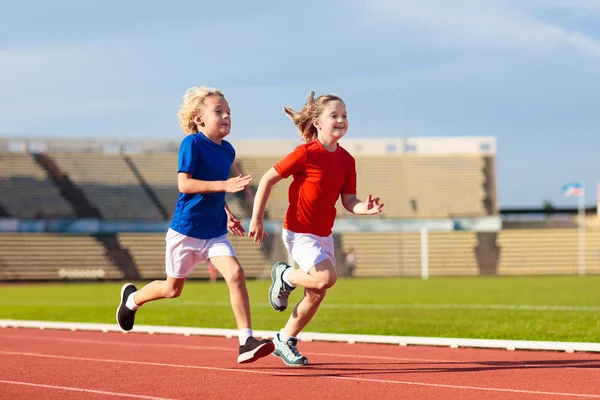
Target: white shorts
308,250
184,253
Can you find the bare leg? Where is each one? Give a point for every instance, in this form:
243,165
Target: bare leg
169,288
234,275
320,277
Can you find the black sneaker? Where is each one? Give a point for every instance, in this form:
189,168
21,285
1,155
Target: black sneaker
125,316
255,349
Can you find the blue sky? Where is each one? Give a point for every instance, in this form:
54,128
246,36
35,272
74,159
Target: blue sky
524,71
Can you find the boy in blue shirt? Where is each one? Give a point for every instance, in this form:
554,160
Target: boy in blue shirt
198,230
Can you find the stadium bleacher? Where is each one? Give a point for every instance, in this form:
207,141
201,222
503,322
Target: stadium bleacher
52,257
109,185
399,254
27,192
141,186
546,251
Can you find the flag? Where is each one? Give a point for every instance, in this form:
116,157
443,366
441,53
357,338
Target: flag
573,189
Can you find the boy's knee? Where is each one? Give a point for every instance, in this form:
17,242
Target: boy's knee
237,275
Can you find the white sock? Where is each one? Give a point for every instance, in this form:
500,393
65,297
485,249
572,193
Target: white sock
286,277
284,336
130,303
244,335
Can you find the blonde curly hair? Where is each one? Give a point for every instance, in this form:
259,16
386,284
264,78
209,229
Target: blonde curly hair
193,103
312,109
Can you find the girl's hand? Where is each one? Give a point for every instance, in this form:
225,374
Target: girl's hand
257,230
372,206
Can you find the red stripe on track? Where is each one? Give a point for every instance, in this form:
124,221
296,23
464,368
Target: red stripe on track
200,367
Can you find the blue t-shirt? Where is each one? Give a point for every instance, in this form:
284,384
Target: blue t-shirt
202,215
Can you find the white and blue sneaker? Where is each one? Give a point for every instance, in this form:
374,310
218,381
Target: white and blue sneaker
288,352
279,290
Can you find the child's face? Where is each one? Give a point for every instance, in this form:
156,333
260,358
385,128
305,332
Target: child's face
215,118
333,121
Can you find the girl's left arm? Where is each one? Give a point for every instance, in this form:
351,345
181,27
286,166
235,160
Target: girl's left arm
371,206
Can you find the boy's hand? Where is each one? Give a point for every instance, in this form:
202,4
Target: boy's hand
234,225
237,183
257,230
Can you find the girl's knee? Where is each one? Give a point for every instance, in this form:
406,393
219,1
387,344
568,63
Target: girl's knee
172,291
325,282
316,295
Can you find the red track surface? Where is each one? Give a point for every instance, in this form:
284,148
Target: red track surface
68,365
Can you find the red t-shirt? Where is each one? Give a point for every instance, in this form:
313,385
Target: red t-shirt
320,177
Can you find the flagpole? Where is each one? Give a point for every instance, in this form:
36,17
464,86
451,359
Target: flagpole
581,235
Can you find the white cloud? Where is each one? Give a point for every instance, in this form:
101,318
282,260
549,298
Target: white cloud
486,26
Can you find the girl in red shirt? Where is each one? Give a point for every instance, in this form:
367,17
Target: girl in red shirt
322,171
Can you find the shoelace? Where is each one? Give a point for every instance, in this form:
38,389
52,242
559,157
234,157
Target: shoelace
283,293
291,347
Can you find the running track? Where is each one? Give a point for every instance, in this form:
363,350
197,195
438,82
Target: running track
54,364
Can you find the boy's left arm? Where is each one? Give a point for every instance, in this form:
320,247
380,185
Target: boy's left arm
234,225
371,206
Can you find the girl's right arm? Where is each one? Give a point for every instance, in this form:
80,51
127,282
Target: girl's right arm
257,223
188,185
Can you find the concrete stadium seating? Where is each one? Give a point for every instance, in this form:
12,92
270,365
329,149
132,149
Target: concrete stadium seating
53,257
410,186
399,254
26,190
546,251
109,184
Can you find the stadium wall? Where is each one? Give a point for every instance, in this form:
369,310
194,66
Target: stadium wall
257,147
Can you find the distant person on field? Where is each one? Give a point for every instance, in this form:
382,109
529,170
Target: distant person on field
322,171
198,230
350,262
212,273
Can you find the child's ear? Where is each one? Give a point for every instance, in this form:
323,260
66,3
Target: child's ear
316,124
198,120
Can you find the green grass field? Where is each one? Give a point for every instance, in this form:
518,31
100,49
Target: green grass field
531,308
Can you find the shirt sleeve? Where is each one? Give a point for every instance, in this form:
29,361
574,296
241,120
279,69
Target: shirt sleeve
188,155
349,186
292,163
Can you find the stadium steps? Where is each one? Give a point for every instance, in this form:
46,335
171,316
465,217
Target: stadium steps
4,212
53,257
108,184
547,251
26,191
399,254
147,188
84,209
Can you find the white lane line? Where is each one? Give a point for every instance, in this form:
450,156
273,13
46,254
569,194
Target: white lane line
73,389
191,347
250,371
515,307
228,349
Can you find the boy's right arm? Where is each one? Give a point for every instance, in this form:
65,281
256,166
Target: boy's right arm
257,223
188,185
